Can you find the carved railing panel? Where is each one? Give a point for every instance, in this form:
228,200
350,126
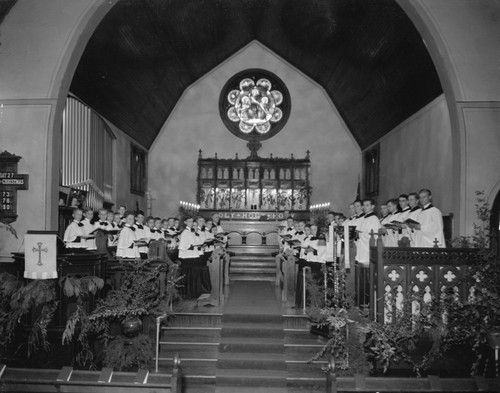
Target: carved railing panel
429,274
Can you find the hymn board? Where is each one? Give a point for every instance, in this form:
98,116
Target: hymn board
11,181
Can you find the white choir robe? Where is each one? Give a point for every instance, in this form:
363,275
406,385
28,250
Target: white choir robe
411,233
370,223
200,237
156,234
431,223
113,240
89,227
403,215
209,236
224,238
71,233
186,241
312,256
391,238
105,226
300,236
167,233
286,231
126,247
142,232
305,243
356,221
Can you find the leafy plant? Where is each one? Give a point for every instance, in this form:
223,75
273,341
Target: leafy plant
356,342
19,299
124,354
139,295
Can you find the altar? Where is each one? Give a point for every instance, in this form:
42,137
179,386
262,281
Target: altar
254,188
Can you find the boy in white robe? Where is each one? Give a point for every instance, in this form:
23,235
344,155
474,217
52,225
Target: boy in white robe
74,232
429,231
126,247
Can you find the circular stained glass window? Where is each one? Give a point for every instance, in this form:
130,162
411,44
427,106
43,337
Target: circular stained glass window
254,104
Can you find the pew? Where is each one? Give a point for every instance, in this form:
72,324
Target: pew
361,383
69,380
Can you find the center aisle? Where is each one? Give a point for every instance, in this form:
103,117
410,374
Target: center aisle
251,349
252,297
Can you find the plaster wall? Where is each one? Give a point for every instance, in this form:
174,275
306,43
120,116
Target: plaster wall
23,132
314,125
470,31
418,154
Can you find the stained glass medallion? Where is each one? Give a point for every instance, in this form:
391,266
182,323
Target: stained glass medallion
254,104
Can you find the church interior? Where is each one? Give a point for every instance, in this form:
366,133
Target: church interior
263,195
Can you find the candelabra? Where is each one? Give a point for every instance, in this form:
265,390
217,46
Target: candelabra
319,210
189,208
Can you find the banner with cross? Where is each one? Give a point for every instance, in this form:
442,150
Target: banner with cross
40,256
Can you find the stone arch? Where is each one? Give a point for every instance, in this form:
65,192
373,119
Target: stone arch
449,81
83,29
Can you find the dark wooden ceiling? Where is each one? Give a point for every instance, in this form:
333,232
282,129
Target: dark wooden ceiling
5,6
365,53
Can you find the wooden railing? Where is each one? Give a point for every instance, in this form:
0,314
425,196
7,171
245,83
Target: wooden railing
106,380
430,273
72,264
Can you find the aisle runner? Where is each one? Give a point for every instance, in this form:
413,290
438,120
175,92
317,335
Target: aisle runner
251,350
252,297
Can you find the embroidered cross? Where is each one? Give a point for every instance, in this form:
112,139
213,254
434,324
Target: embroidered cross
40,250
394,275
450,276
421,276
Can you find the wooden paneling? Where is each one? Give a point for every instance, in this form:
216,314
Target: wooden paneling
365,53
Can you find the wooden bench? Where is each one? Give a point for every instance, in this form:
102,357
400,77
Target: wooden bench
105,381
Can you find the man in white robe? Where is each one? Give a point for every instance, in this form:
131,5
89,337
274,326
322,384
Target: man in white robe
391,235
368,226
413,214
429,231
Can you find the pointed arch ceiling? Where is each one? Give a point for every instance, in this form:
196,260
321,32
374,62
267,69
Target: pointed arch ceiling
366,54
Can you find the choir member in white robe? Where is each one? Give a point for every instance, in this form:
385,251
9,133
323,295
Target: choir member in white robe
358,213
299,235
429,231
306,240
126,247
105,225
391,236
122,209
369,225
142,233
288,230
154,228
196,277
74,232
413,214
88,228
209,238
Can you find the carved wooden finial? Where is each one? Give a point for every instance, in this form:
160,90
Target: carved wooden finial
199,153
215,155
308,154
292,156
271,156
436,242
236,155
